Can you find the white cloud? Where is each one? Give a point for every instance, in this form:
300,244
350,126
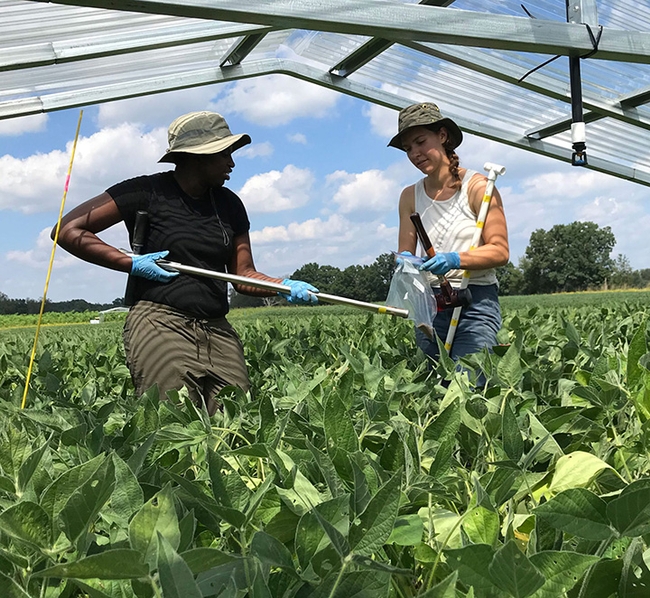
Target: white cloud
275,191
383,121
255,150
25,124
35,183
297,138
276,100
39,255
371,190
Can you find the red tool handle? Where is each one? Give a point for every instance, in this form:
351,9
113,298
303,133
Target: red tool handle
422,235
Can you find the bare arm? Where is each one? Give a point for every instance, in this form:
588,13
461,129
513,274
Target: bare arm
77,234
242,265
407,238
495,250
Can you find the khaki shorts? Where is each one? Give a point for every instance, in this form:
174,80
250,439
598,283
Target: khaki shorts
172,349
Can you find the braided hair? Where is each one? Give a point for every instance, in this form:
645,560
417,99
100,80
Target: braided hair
453,164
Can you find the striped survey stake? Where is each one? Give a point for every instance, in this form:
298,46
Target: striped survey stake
493,171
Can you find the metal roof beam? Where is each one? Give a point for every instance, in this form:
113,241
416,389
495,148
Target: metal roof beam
582,11
185,79
241,49
372,48
500,69
109,44
402,22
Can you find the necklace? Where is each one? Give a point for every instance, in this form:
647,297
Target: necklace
226,238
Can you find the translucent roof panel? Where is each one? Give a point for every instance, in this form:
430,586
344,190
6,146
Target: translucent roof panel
482,61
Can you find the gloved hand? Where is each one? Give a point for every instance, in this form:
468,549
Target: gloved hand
299,292
146,267
441,263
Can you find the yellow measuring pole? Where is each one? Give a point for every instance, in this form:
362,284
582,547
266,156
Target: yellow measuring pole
49,269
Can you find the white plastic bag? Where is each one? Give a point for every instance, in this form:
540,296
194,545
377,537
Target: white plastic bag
410,290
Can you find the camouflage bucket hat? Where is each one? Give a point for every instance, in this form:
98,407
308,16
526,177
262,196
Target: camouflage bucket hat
425,115
201,133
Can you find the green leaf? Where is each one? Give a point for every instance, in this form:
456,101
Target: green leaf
562,570
636,349
509,367
176,579
136,460
513,443
270,551
59,491
107,588
472,563
577,511
339,431
576,470
337,539
28,467
203,559
407,531
228,488
446,424
83,506
443,457
630,512
356,584
28,522
119,563
157,515
377,521
127,497
512,571
482,526
361,495
10,589
311,537
234,575
366,562
445,589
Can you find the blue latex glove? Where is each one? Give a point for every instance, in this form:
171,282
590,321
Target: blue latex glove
145,266
299,292
441,263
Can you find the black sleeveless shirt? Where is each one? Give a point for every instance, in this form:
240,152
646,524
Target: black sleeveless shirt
197,232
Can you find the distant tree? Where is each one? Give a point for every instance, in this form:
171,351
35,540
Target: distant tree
511,280
568,257
324,278
624,276
644,274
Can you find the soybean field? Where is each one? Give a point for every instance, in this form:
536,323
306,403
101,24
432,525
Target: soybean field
352,469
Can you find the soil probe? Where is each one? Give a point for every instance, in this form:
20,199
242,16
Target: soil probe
493,171
281,288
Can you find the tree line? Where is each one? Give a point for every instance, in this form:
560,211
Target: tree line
33,306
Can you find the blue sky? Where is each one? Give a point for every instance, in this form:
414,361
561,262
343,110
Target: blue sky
318,181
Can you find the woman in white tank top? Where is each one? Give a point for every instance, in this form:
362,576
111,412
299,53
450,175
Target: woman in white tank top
448,200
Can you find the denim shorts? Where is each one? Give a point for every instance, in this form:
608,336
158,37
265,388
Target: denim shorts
477,328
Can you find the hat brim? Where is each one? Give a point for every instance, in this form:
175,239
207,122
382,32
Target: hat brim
455,134
233,142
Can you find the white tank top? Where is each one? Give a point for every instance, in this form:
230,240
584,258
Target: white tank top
450,225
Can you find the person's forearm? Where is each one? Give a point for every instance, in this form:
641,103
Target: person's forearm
484,257
90,248
254,291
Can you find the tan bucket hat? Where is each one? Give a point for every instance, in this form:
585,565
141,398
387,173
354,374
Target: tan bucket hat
201,133
425,115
